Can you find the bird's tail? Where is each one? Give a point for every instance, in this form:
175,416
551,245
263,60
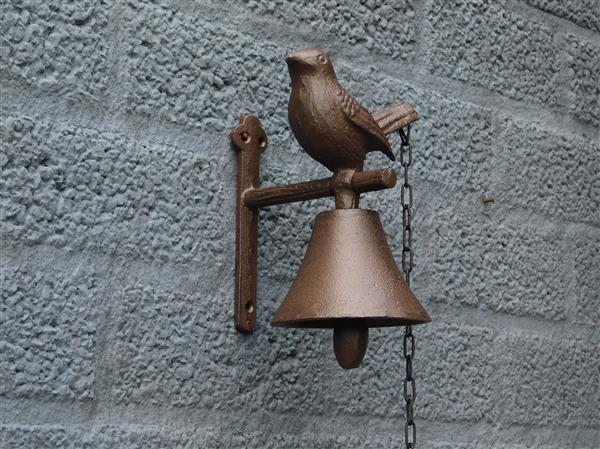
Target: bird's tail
394,117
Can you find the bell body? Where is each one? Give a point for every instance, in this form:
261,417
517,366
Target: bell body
349,281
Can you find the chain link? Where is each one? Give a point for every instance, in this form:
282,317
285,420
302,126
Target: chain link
406,196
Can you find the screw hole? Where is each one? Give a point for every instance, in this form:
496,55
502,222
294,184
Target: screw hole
245,137
262,142
249,307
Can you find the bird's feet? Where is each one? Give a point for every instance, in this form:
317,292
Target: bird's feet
345,196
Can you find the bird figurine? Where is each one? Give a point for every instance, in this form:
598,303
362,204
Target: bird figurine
329,124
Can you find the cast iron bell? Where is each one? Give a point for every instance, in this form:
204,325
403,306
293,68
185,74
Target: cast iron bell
349,281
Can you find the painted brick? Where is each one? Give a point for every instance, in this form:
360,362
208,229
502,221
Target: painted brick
551,437
384,28
284,233
157,437
454,367
452,140
195,72
448,387
56,45
313,441
587,276
453,446
167,350
547,381
487,262
583,78
78,188
582,12
146,355
105,437
174,344
48,320
385,434
552,174
452,145
486,45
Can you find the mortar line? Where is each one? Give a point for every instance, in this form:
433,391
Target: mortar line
97,118
421,22
53,413
115,33
31,412
144,127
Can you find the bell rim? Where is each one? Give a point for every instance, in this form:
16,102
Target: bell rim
330,322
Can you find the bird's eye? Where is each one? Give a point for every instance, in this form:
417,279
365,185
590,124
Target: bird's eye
322,58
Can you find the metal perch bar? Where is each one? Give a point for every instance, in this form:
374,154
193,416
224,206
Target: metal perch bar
362,182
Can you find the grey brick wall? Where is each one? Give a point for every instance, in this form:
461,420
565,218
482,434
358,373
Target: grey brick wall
117,210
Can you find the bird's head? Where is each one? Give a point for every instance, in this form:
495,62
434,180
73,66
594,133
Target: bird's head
309,62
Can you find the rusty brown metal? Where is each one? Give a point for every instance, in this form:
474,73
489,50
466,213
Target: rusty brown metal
349,272
350,341
250,140
329,124
349,280
362,182
395,117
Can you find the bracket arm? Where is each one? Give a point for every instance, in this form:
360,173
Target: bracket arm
362,182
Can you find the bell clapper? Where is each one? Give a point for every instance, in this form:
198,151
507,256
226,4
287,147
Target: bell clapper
350,343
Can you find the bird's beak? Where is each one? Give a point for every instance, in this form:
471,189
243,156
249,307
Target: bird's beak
293,58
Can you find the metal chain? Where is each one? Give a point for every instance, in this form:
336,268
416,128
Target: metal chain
410,388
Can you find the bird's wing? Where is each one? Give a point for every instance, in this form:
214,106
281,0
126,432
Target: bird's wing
395,117
361,117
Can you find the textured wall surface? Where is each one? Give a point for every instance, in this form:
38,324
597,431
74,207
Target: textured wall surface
117,224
